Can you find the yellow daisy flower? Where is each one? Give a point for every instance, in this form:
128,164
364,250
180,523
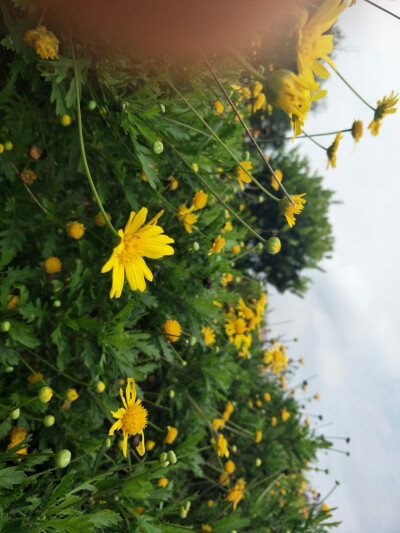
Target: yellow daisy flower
99,219
241,175
17,435
217,245
230,467
357,130
136,242
132,418
52,265
236,494
221,445
44,42
199,200
290,210
209,335
385,107
331,152
172,330
218,108
186,215
236,330
75,230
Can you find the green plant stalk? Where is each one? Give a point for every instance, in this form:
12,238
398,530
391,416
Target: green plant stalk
33,372
55,368
273,139
82,147
228,150
352,89
315,142
382,9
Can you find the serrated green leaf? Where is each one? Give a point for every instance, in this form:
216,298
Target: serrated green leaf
11,476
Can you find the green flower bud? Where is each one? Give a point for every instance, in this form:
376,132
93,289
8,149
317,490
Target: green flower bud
8,146
9,369
172,457
258,462
107,442
192,340
15,414
91,105
184,363
49,420
234,448
182,512
259,247
158,147
62,458
163,457
45,394
217,349
246,156
187,506
196,246
171,394
162,108
5,326
273,245
164,465
57,303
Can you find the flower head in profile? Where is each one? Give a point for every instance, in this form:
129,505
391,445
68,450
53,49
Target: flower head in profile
217,245
43,41
236,494
12,301
241,175
357,130
312,42
137,241
100,220
131,418
171,435
290,210
186,215
384,107
331,152
220,445
209,335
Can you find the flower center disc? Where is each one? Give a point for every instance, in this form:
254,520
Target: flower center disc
135,419
133,248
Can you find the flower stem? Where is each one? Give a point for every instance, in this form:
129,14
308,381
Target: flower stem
82,146
314,141
382,9
262,155
273,139
354,91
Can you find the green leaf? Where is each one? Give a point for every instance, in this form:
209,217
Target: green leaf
11,476
22,333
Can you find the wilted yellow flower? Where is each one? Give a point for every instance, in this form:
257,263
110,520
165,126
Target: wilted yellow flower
171,435
199,200
186,215
172,330
312,41
224,479
17,435
290,210
236,494
99,219
226,278
132,418
241,175
52,265
385,107
75,230
331,152
219,108
221,445
260,103
217,245
228,410
35,378
12,301
279,175
209,335
206,527
136,242
228,227
44,42
27,176
357,130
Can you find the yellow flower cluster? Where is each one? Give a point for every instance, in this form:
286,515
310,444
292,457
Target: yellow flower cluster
43,41
276,359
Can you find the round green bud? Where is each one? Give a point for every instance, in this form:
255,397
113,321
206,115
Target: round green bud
259,247
8,146
163,457
273,245
182,512
62,458
184,363
246,156
261,198
158,147
187,506
162,108
217,349
258,462
91,105
233,531
57,303
234,448
49,420
107,442
45,394
172,457
15,414
192,341
103,111
196,246
171,394
165,464
9,369
5,326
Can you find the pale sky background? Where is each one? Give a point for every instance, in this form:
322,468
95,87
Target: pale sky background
348,324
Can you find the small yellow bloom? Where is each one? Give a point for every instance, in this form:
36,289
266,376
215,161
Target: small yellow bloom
137,241
307,421
218,244
218,423
44,42
219,108
143,176
258,436
150,445
172,330
35,378
226,278
274,421
186,215
195,167
279,175
100,387
331,152
267,396
171,435
17,435
52,265
45,394
174,183
12,301
316,396
99,219
236,249
224,479
221,445
241,175
210,503
65,120
357,130
325,507
206,527
290,210
285,414
162,482
75,230
71,395
237,493
228,227
209,335
384,107
230,467
199,200
132,418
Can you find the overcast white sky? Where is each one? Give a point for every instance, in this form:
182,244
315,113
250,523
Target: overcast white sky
349,323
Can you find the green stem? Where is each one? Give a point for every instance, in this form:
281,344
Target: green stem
250,69
352,89
55,368
314,141
82,147
273,139
382,9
